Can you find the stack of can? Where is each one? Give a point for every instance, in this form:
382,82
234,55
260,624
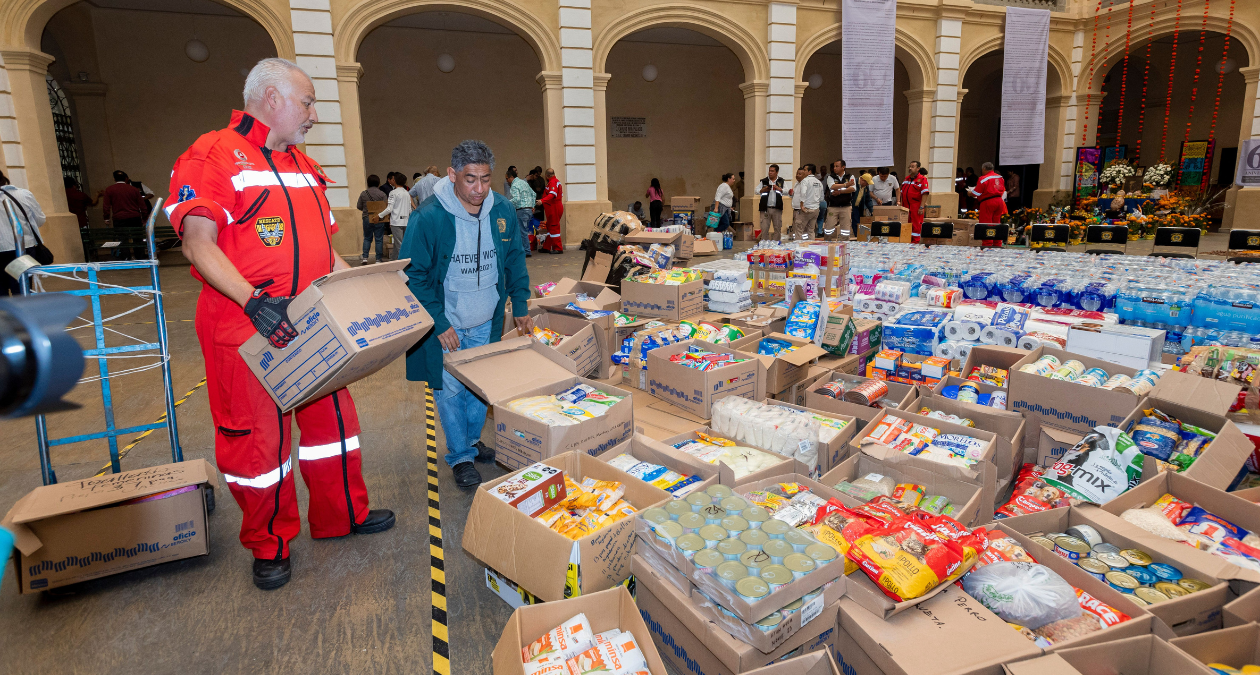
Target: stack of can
1131,571
1142,382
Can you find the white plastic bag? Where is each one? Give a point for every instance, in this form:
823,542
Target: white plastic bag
1026,594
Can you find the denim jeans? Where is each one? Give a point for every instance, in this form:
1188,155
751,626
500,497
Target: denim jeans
373,231
523,216
461,412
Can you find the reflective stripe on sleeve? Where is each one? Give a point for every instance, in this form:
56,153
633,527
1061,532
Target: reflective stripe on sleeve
264,481
307,453
246,179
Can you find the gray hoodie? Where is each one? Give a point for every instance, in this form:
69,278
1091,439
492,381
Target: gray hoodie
471,291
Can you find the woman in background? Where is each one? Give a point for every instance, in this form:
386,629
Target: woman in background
656,201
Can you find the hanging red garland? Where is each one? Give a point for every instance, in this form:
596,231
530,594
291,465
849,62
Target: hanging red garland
1198,63
1089,95
1220,79
1172,71
1124,77
1102,95
1146,80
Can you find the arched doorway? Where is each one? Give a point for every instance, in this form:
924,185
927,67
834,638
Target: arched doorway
137,89
692,108
413,113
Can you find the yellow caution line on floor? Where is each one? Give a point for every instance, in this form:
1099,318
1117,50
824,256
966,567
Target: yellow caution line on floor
437,561
123,453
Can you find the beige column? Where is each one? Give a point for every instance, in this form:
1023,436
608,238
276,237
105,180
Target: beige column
1048,180
1242,208
783,102
92,124
552,85
601,136
348,75
946,105
799,92
754,146
37,155
918,123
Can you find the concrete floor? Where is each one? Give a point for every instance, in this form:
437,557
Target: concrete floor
356,605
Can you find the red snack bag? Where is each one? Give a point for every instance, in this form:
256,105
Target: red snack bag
1107,615
1000,547
883,508
906,557
1031,495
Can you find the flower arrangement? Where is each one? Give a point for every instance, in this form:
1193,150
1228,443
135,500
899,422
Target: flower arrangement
1116,172
1158,175
969,215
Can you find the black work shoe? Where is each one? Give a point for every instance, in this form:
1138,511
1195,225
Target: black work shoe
270,574
485,453
377,520
466,475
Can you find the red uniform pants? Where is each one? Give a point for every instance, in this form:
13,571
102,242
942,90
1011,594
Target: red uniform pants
251,447
991,212
916,219
553,211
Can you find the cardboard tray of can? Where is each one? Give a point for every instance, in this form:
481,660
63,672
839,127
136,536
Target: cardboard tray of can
1187,615
750,612
967,495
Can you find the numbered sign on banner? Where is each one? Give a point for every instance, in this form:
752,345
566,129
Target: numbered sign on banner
1248,173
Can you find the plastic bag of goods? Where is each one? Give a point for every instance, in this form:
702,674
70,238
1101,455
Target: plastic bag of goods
780,430
1023,593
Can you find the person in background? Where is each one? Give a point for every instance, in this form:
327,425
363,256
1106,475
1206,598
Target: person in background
466,261
969,176
990,196
960,187
78,201
885,190
637,209
398,209
553,207
32,218
123,203
771,205
841,188
372,231
723,199
1013,200
806,195
423,188
536,181
863,202
821,175
522,197
914,190
656,202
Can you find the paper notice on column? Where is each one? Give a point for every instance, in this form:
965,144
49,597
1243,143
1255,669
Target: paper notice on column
1024,86
868,47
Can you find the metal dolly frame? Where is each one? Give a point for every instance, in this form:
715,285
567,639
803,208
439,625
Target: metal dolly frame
94,292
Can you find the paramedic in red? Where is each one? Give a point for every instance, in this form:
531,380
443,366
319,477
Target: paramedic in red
913,190
553,208
257,227
990,194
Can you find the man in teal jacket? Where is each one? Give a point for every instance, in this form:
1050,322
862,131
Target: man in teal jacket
466,261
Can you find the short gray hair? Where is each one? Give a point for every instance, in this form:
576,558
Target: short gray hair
272,72
471,152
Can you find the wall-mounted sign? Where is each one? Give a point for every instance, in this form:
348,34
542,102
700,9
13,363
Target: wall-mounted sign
629,127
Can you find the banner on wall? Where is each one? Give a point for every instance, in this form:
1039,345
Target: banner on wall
1248,172
1195,169
1024,61
868,46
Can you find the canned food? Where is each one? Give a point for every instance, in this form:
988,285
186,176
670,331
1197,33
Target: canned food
1150,595
676,508
1071,548
712,534
1121,581
734,525
777,576
1117,381
713,514
730,572
1042,542
798,540
812,594
1095,567
1105,548
731,549
775,529
968,392
734,505
1164,572
699,500
777,550
667,532
1093,377
1069,371
754,561
799,563
791,608
996,400
1113,560
706,560
655,516
821,553
867,392
1043,366
690,522
1136,600
1171,589
1143,575
753,539
755,515
688,544
1136,557
1086,533
769,623
1193,585
1143,382
718,492
752,589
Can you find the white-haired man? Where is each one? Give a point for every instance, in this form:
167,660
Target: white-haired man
258,228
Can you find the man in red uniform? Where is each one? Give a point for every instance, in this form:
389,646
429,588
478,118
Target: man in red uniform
553,207
990,194
913,191
257,227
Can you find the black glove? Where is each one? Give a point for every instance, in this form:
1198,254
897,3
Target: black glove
270,315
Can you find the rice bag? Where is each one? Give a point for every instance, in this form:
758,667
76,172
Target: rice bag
619,655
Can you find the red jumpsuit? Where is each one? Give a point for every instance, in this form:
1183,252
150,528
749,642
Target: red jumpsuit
553,208
275,224
990,194
912,191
